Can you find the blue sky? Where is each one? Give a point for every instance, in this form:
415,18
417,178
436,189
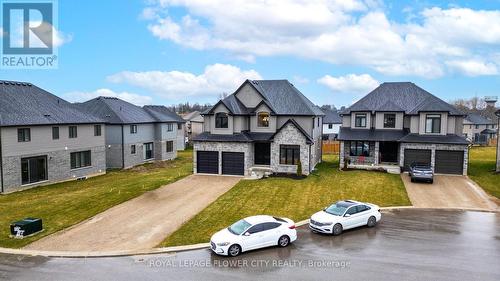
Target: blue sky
167,52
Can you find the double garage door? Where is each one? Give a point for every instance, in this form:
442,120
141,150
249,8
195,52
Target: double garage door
233,163
446,161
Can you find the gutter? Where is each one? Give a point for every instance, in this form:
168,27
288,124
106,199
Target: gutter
123,149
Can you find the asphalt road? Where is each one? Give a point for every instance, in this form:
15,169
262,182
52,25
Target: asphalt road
406,245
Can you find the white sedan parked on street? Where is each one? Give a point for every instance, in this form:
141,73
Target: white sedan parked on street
345,215
253,233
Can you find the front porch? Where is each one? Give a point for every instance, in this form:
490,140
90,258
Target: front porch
370,155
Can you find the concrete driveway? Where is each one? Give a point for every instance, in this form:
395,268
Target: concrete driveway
447,192
142,222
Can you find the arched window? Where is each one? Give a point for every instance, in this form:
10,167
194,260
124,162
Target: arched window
221,120
263,119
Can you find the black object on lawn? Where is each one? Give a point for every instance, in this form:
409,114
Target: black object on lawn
25,227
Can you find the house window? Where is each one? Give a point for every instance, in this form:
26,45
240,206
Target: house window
360,120
289,154
477,126
389,120
55,133
73,132
263,119
318,121
33,169
133,129
148,151
170,127
132,149
97,130
330,126
221,120
23,134
170,146
433,123
359,148
80,159
179,126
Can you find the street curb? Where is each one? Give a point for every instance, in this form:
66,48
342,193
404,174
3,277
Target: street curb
166,250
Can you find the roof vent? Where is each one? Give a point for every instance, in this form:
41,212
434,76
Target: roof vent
108,116
46,115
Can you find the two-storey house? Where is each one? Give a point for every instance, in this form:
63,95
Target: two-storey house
135,135
479,129
264,124
45,139
400,123
331,124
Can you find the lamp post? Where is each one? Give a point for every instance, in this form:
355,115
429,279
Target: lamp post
497,113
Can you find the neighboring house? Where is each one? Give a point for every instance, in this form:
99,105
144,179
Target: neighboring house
194,124
400,123
497,113
331,124
479,129
45,139
163,114
135,135
264,124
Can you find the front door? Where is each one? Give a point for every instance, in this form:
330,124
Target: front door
262,153
148,151
389,152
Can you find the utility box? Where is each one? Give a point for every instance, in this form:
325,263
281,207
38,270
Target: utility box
25,227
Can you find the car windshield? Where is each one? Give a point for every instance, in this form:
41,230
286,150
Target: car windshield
336,209
238,227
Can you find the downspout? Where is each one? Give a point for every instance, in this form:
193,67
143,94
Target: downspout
1,163
123,148
310,158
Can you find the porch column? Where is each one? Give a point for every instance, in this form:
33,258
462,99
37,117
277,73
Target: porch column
377,145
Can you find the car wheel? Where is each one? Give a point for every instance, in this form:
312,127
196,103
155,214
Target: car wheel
412,180
283,241
337,229
432,181
371,221
234,250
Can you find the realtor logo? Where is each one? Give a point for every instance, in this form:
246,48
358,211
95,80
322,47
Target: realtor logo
28,34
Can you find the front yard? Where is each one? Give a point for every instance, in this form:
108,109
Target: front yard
482,167
65,204
295,199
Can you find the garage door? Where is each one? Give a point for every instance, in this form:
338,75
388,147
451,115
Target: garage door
449,162
207,162
233,163
416,156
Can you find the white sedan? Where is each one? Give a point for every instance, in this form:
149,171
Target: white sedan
345,215
253,233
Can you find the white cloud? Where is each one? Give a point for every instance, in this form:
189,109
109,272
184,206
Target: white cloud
350,84
473,67
129,97
352,32
215,79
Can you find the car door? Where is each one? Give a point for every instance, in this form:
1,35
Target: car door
350,218
252,238
363,213
270,234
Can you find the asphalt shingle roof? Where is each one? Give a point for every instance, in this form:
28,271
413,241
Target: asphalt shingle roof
401,96
370,135
332,117
162,114
116,111
280,95
23,104
476,118
444,139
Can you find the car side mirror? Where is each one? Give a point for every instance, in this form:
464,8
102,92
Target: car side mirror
246,234
347,215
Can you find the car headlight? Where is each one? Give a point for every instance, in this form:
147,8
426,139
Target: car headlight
223,244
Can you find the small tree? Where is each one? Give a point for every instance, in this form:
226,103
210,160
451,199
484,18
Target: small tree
299,169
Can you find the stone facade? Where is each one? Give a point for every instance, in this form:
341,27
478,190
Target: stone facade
361,160
289,135
246,148
58,168
433,148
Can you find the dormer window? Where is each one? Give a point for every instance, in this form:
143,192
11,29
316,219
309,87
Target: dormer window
360,120
263,119
389,120
221,120
433,123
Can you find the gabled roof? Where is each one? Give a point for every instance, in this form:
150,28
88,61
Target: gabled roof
401,96
309,139
162,114
23,104
279,95
116,111
478,119
332,117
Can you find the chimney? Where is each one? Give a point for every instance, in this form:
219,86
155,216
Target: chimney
490,101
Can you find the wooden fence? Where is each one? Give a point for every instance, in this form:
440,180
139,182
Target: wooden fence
331,147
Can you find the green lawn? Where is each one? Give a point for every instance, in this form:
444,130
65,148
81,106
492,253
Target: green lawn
482,167
295,199
65,204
